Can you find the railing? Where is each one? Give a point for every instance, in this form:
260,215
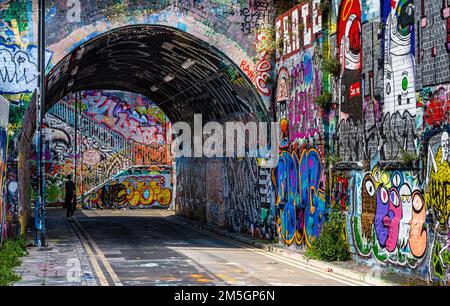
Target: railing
112,178
89,126
138,153
104,182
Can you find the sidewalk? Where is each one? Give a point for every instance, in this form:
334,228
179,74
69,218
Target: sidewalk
351,269
62,263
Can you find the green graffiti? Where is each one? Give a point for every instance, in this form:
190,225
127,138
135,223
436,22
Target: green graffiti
17,10
376,251
405,83
437,264
440,262
53,194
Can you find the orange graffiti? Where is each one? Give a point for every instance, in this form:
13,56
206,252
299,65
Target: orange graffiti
417,234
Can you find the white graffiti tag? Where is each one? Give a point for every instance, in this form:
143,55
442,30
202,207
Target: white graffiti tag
18,69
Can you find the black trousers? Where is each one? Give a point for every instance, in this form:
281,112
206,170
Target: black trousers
70,206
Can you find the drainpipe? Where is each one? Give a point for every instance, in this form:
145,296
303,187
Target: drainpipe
75,124
80,115
40,212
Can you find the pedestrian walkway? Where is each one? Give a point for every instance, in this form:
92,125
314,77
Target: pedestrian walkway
62,262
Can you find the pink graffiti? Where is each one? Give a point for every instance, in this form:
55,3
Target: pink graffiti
302,113
438,107
124,118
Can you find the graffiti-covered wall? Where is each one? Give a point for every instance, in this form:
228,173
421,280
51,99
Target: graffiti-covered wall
300,175
232,27
391,130
360,90
226,193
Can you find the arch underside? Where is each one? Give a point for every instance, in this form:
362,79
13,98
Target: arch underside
137,58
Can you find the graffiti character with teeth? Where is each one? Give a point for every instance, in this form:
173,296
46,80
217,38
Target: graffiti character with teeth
399,89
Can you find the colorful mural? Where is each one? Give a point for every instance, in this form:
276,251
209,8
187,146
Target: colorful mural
399,82
4,114
300,198
134,191
299,178
116,130
378,150
388,218
350,55
438,203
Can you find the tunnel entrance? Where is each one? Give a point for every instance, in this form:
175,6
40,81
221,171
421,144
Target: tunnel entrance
118,146
182,76
179,72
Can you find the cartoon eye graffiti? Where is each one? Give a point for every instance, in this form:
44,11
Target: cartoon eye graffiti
377,175
396,179
388,88
370,188
405,194
394,198
417,201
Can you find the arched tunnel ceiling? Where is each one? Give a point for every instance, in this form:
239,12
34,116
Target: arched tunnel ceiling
136,58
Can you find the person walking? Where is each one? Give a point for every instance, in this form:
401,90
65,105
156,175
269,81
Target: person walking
70,197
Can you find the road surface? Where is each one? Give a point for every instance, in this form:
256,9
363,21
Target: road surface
152,247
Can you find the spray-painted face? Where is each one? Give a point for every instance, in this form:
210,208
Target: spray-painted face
350,56
444,146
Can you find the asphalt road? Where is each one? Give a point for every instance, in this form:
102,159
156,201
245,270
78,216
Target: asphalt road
151,247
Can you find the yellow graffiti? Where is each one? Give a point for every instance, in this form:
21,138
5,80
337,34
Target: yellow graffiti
15,29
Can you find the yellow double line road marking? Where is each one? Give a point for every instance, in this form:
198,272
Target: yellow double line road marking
281,258
87,242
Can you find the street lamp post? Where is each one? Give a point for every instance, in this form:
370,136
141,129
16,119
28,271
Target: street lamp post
40,212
